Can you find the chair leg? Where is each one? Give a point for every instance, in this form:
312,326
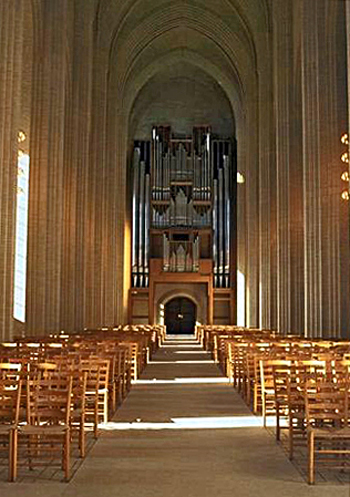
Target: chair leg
66,455
96,417
264,408
311,447
255,405
278,427
13,455
290,441
105,407
82,439
114,397
30,451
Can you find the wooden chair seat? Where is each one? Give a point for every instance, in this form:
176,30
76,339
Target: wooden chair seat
330,432
5,429
43,429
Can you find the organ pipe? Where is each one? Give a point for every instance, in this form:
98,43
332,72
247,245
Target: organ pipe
142,222
221,227
187,187
227,219
147,227
215,230
135,205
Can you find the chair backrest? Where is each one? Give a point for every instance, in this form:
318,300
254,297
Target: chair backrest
79,383
308,370
49,400
327,404
10,394
9,370
274,373
43,368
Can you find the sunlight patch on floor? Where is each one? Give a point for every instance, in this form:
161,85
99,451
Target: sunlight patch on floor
195,423
192,352
181,381
204,361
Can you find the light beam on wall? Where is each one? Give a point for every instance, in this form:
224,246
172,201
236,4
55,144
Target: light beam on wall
19,308
240,299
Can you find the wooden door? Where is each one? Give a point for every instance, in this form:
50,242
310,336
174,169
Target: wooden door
180,316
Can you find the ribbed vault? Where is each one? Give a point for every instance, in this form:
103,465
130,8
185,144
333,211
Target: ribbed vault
225,41
181,95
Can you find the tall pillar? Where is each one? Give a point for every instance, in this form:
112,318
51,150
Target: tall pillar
251,225
12,15
267,199
76,172
295,192
323,216
46,199
282,87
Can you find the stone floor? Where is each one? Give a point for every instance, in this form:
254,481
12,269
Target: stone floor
182,432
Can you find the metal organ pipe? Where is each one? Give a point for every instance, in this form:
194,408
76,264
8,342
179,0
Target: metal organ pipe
215,230
159,201
142,223
208,176
227,219
147,227
202,176
154,162
161,171
205,165
221,227
135,212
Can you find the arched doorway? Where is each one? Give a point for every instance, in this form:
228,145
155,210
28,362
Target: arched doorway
180,316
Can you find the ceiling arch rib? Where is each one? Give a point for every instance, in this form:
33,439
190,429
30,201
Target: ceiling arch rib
126,50
169,60
181,95
174,45
250,19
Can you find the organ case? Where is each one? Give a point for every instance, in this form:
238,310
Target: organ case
184,204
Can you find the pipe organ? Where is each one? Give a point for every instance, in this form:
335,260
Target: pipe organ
182,205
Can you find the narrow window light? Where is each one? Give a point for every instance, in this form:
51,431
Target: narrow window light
19,308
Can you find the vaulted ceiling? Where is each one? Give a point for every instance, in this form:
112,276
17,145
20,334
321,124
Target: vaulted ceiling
227,40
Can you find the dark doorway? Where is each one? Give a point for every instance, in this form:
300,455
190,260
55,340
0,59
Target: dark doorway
180,316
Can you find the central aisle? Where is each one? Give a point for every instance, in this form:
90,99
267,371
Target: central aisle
169,439
183,432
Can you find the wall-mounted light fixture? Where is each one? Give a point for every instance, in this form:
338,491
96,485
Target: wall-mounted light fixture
240,178
345,174
21,136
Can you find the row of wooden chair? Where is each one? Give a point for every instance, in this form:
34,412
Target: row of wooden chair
52,389
313,397
303,383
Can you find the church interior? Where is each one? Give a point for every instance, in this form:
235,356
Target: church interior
174,247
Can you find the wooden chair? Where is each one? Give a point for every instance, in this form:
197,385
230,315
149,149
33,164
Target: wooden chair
10,393
78,401
78,412
303,372
259,352
327,416
273,377
96,390
47,432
